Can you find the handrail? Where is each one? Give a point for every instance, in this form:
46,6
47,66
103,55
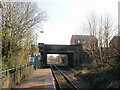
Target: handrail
16,74
7,70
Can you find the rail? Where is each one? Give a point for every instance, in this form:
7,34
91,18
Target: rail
63,76
15,75
56,82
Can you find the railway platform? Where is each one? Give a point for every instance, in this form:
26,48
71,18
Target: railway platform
41,78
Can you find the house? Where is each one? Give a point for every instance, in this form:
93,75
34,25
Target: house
87,41
115,42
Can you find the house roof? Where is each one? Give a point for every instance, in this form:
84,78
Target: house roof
115,40
84,37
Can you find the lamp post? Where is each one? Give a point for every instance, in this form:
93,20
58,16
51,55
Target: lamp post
36,39
36,47
37,36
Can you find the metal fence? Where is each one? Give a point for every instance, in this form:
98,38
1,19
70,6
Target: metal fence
15,75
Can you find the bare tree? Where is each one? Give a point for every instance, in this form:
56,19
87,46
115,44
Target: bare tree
102,28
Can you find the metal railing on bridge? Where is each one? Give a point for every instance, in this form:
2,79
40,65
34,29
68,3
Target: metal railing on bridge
15,75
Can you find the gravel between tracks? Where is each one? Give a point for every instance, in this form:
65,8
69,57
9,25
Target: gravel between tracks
79,82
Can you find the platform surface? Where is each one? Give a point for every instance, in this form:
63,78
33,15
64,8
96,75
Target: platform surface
41,78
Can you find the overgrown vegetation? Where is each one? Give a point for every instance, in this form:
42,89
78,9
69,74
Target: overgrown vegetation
100,64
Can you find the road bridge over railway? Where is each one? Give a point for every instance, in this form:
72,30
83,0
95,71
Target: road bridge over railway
72,51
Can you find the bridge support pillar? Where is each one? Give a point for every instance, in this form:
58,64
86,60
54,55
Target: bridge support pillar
45,58
76,59
70,60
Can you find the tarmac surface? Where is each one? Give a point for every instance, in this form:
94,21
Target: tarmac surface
41,78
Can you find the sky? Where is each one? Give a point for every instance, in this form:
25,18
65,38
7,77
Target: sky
65,17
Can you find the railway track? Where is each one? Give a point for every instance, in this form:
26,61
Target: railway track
62,82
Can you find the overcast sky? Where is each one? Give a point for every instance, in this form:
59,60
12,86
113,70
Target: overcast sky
66,16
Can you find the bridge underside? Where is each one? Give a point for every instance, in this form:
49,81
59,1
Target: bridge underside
72,51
